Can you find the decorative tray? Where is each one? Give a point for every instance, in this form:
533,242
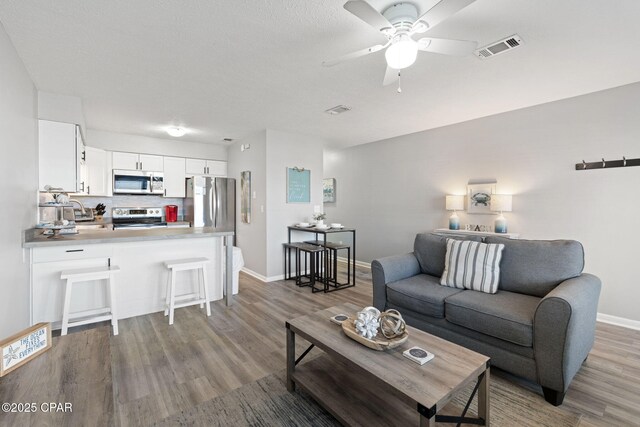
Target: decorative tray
380,342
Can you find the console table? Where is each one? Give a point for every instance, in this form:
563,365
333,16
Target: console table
324,233
446,231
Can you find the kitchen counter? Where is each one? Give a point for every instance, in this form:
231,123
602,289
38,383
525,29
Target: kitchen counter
34,238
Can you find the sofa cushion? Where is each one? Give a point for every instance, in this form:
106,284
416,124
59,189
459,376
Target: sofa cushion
422,294
504,315
535,267
430,250
472,265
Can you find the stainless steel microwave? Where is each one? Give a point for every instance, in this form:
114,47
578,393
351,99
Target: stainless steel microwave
138,182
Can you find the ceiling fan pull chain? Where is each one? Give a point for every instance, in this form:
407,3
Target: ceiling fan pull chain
399,83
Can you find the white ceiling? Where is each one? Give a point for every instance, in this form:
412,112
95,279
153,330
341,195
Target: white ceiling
231,68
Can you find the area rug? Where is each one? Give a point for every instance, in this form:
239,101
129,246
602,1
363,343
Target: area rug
266,402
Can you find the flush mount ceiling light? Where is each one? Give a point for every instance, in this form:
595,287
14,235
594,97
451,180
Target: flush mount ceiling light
176,131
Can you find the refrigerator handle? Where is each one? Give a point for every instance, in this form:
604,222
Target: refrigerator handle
214,202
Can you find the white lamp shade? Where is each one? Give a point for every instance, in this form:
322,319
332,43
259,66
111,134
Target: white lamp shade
501,202
402,53
455,203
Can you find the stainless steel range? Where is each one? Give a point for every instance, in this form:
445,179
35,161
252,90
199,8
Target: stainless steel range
137,218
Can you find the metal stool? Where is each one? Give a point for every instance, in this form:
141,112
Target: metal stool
316,255
201,297
333,249
95,315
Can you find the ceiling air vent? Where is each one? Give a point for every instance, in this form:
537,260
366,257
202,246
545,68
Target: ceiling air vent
337,110
499,47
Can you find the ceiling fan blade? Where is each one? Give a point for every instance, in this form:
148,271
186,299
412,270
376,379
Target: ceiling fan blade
447,46
440,12
368,14
353,55
390,76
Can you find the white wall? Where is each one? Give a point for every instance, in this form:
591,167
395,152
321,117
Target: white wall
392,189
18,184
61,108
143,144
271,152
251,238
289,150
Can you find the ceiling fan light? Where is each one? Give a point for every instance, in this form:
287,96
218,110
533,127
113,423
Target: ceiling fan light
402,54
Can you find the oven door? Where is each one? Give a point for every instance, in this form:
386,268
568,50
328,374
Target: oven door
132,182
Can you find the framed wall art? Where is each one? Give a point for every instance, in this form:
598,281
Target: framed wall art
479,196
329,190
298,185
245,197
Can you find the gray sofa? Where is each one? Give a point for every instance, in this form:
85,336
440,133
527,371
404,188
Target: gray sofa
540,324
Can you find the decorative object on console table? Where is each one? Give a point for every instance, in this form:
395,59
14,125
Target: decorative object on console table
479,196
298,185
501,203
329,190
245,197
454,203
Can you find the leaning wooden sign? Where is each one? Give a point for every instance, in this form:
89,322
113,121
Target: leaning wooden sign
24,346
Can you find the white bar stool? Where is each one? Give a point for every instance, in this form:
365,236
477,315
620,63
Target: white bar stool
201,297
95,315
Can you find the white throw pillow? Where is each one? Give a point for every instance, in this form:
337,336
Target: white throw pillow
472,265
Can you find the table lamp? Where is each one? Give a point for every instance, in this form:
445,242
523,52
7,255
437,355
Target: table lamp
501,203
454,203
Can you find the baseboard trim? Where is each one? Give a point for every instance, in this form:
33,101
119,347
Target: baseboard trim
254,274
619,321
261,277
358,263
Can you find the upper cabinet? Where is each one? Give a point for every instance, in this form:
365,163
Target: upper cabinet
174,177
206,167
133,161
60,153
97,181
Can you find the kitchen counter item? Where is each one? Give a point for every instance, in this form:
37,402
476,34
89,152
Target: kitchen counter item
171,213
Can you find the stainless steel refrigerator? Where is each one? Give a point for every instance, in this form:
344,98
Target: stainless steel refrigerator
211,202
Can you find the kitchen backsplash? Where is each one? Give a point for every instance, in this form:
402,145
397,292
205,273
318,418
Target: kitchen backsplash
47,214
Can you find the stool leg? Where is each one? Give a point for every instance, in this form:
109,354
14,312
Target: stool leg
167,293
200,287
172,299
112,300
65,309
206,290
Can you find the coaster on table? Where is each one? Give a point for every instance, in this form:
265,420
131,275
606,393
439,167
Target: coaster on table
338,318
418,355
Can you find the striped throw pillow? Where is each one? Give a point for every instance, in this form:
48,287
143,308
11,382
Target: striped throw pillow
472,265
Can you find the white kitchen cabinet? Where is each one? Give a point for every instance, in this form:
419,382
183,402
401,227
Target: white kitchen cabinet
60,153
174,177
206,167
134,161
47,289
94,173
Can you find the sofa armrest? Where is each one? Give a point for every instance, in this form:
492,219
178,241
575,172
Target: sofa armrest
390,269
564,329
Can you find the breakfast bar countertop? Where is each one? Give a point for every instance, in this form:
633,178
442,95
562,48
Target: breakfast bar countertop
34,238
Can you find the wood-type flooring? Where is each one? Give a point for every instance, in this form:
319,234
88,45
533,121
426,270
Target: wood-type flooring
152,371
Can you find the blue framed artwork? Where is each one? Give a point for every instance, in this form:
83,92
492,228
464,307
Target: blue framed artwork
298,185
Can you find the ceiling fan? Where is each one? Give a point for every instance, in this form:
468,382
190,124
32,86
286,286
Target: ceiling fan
399,23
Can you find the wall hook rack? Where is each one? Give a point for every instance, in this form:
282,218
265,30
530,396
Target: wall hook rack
607,164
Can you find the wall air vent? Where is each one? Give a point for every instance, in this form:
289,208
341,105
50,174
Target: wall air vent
337,110
499,47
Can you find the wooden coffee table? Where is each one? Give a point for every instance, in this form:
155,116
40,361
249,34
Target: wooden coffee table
360,386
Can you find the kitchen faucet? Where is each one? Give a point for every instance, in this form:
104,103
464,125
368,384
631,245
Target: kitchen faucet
84,212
